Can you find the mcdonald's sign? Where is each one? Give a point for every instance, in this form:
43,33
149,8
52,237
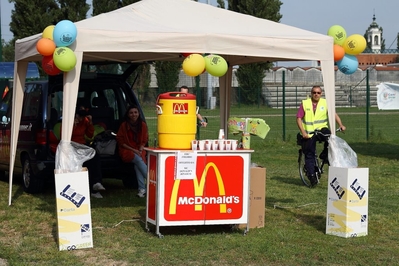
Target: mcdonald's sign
180,108
215,194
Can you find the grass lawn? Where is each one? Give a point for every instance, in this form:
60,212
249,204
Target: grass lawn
295,221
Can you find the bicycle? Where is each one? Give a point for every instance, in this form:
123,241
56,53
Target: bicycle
318,165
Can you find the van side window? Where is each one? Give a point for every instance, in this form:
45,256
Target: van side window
6,98
113,103
32,101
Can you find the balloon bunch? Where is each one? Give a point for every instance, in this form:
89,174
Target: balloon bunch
196,64
346,49
53,46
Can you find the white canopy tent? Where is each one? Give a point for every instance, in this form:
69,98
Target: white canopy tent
153,30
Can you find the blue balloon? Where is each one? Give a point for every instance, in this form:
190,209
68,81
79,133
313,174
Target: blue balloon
348,64
64,33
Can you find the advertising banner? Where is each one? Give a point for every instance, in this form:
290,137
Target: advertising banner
73,211
388,96
347,202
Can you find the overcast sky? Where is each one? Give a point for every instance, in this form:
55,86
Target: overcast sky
313,15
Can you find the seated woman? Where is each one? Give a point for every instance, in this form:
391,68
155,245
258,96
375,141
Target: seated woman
132,136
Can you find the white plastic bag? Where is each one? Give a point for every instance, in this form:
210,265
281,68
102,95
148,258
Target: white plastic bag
70,156
340,154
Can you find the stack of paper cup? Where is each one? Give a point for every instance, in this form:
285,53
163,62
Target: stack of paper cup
221,134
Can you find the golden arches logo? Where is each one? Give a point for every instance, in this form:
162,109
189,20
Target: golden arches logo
180,108
198,189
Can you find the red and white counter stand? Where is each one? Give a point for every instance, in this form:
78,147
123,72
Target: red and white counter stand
217,194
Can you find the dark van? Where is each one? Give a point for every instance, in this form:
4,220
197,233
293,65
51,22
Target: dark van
102,88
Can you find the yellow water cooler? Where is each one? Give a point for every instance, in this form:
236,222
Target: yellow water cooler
177,120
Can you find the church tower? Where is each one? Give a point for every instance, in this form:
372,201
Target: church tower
374,36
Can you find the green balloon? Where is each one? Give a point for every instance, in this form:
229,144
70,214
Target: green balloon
338,33
215,65
64,58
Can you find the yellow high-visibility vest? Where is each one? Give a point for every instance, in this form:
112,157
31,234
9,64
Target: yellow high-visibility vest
314,120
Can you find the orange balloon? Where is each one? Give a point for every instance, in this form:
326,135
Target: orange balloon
339,52
45,46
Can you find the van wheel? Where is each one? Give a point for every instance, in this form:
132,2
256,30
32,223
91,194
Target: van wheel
31,183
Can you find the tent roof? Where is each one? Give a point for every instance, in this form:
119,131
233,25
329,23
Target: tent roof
163,29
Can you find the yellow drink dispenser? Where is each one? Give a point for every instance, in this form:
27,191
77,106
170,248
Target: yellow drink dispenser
177,118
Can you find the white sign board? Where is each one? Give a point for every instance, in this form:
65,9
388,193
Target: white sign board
186,165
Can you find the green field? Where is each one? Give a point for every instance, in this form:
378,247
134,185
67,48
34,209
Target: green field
295,216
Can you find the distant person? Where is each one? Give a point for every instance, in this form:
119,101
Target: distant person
312,115
132,137
83,128
184,89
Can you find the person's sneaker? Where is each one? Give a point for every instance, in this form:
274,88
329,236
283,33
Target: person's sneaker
141,193
97,195
98,187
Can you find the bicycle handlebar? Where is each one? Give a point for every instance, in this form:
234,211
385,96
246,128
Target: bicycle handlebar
318,132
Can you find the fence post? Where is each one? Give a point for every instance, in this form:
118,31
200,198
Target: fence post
283,105
367,104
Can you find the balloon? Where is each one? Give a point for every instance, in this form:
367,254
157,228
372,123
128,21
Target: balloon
64,58
49,67
338,33
355,44
348,65
48,32
215,65
64,33
193,65
185,54
339,52
45,46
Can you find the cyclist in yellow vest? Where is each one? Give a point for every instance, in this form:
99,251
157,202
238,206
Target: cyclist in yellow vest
311,115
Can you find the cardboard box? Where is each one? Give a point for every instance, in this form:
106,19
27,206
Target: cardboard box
73,210
347,202
257,198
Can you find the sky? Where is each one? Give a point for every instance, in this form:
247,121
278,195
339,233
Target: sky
355,16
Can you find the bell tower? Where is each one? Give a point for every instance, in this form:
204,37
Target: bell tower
374,36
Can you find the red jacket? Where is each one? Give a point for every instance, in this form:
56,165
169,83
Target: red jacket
81,129
126,136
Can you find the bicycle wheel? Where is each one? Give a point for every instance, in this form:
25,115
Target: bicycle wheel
302,169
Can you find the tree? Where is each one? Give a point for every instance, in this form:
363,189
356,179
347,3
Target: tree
8,51
167,75
250,76
73,10
30,17
103,6
142,82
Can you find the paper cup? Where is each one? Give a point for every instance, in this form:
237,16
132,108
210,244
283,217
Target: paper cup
222,144
194,145
201,145
234,144
228,144
215,144
208,144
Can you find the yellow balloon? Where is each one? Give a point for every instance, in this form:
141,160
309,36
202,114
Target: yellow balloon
48,32
193,65
355,44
